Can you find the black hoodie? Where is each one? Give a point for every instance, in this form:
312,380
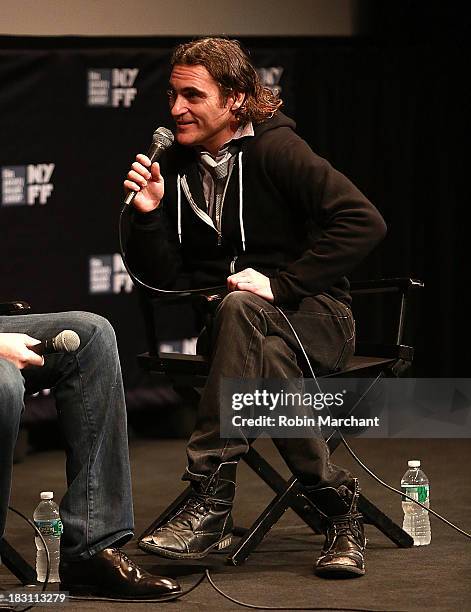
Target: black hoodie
287,214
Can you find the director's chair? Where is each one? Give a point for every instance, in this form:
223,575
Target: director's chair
385,359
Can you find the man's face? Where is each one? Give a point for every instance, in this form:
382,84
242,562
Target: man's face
201,116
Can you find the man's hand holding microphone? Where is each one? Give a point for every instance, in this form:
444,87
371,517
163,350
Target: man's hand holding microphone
17,349
146,182
23,350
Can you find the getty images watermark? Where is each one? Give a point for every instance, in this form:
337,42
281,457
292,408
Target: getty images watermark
373,408
284,404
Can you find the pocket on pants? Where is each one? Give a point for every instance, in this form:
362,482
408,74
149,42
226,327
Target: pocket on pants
327,331
347,325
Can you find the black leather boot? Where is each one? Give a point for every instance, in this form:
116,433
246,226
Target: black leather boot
342,554
202,523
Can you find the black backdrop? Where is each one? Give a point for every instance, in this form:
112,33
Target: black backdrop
388,115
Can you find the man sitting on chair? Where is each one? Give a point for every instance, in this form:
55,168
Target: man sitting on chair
96,511
247,203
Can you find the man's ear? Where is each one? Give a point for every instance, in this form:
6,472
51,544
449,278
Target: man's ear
237,100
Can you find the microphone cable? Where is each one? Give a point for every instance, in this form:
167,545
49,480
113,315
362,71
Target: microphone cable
347,446
317,608
48,558
205,576
341,436
84,598
141,283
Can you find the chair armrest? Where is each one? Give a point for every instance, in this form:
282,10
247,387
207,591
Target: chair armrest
386,285
179,294
393,351
14,307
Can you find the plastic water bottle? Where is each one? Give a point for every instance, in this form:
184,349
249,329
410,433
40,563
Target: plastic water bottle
47,519
416,520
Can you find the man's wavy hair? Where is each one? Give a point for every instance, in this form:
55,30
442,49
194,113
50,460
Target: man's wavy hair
230,67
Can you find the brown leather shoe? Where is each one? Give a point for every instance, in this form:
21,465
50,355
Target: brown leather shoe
110,573
345,542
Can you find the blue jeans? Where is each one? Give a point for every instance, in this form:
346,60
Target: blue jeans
249,338
97,509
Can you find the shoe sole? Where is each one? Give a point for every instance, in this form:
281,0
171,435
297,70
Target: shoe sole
339,571
168,554
84,590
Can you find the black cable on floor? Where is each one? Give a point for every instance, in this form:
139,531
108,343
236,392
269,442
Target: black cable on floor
318,609
207,574
48,557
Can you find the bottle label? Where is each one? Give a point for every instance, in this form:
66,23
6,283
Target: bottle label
50,528
419,493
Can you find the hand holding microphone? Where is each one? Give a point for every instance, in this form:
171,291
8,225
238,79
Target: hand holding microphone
66,341
145,184
23,350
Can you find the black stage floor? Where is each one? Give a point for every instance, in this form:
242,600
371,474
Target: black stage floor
279,573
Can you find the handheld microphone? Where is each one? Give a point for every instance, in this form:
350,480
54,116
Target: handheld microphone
66,341
161,141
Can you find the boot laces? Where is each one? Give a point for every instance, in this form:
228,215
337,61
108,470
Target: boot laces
345,526
196,505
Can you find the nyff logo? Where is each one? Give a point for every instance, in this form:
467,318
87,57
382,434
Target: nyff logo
29,184
111,86
108,275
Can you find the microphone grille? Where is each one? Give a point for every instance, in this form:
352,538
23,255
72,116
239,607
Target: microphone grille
163,137
66,341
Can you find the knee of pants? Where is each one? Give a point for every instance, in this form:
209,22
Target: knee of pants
12,390
275,347
89,326
237,303
279,360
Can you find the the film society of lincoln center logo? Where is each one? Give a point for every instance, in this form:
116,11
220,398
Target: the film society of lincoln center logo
30,184
108,275
112,86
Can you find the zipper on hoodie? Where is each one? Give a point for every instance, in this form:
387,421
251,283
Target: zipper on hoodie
182,183
232,265
218,213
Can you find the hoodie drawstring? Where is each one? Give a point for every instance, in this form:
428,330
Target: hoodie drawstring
241,205
179,208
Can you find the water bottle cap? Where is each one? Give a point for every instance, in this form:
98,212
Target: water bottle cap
47,495
413,463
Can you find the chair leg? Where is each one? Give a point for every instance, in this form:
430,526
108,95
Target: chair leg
264,523
288,495
371,513
16,564
374,516
298,503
